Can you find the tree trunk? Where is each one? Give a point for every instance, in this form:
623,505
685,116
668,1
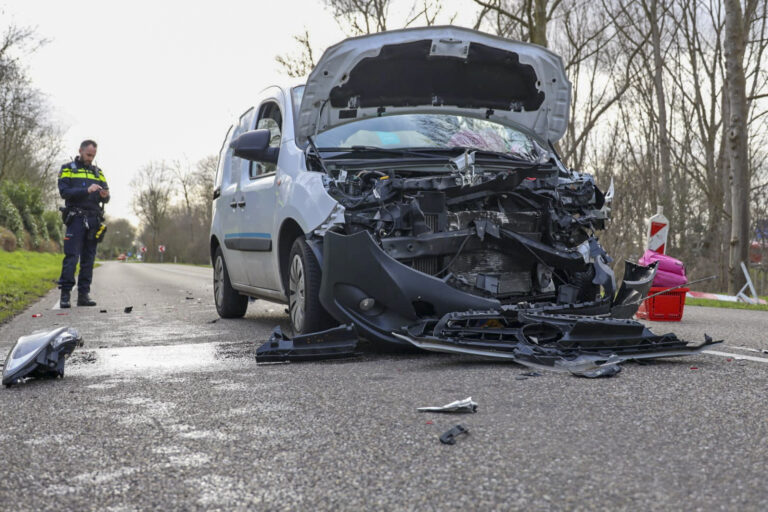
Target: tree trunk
665,184
539,29
736,133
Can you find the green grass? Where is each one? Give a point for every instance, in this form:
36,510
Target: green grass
723,304
24,277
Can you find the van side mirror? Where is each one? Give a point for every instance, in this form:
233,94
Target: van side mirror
254,146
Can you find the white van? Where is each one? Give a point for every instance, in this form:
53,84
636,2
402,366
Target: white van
412,177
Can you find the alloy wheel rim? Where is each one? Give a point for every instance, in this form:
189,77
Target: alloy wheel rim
297,298
218,280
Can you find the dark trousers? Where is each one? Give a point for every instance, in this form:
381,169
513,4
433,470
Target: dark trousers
77,245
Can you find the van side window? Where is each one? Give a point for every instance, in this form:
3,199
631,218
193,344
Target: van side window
270,118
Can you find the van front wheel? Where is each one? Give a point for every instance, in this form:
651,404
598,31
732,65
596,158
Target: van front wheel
304,276
229,303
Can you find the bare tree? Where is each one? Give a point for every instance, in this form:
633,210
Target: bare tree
153,190
360,17
526,20
735,45
300,65
29,142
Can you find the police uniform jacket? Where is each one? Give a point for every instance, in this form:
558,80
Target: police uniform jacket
74,180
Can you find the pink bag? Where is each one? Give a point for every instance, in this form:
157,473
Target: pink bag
670,272
664,279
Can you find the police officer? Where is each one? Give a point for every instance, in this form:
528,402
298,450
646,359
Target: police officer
83,187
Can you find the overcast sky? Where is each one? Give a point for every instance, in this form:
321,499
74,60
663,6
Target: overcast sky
162,80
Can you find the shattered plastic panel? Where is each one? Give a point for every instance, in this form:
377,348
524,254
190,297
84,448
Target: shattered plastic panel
40,354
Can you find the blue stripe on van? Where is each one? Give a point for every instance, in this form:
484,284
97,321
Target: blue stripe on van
248,235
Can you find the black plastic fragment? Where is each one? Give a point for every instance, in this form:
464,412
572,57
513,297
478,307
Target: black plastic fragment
128,309
450,436
603,371
331,344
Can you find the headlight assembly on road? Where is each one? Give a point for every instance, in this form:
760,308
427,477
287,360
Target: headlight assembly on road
40,354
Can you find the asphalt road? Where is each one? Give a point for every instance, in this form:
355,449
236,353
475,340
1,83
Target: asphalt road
165,408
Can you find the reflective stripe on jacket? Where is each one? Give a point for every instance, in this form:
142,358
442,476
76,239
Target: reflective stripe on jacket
74,180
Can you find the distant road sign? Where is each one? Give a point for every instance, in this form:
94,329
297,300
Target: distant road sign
161,248
143,249
130,254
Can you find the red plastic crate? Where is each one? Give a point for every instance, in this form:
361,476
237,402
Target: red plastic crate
667,307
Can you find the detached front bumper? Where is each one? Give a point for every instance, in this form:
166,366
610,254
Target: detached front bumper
391,303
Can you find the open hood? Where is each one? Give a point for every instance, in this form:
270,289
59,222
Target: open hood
448,70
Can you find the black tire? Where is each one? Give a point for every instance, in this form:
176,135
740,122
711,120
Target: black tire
229,303
304,276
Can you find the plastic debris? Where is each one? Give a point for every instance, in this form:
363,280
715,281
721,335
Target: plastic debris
331,344
450,436
459,406
128,309
37,315
40,354
102,311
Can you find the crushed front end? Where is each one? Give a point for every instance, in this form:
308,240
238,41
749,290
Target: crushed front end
416,243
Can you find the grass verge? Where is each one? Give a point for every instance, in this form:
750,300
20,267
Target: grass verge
24,277
723,304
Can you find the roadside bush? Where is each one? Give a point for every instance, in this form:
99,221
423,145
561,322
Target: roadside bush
49,246
7,240
54,226
25,197
10,218
30,224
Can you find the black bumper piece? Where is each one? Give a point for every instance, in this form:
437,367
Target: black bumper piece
331,344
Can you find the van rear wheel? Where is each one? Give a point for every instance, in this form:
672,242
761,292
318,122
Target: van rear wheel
304,276
229,303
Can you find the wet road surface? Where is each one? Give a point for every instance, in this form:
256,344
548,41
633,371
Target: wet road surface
165,408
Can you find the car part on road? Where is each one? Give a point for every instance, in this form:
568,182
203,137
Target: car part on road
334,343
40,354
450,436
559,342
466,405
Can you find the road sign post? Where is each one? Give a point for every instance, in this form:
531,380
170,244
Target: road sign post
161,250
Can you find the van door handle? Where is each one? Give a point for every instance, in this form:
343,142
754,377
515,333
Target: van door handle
233,204
241,204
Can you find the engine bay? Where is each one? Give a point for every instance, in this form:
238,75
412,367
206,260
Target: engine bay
515,232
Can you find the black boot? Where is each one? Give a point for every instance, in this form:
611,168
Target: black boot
64,300
84,300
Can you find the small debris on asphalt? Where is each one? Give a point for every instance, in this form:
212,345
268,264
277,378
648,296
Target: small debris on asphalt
128,309
213,321
459,406
609,370
102,311
37,315
61,314
190,298
694,368
450,436
524,376
430,422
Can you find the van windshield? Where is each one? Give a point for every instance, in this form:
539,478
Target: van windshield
442,131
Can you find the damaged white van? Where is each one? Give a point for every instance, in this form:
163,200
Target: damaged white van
411,184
